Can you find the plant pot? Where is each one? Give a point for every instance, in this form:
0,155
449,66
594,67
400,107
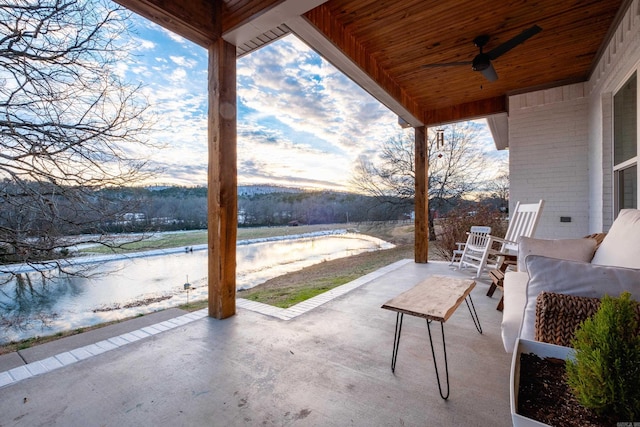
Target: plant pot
542,350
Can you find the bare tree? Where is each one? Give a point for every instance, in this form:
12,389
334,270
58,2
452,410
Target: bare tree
455,167
498,189
69,125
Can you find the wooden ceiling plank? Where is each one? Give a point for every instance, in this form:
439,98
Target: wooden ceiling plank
388,32
467,111
390,40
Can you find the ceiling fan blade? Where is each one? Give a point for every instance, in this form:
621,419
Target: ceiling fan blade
446,64
510,44
489,73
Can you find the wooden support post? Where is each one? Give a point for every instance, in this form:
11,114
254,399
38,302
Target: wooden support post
421,208
223,180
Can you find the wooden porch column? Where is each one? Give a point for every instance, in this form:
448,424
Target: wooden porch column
421,252
222,203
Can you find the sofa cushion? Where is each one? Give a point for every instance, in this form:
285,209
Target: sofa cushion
620,246
515,299
573,278
569,249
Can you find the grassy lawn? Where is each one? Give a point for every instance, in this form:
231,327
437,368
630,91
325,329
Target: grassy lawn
191,238
159,241
292,288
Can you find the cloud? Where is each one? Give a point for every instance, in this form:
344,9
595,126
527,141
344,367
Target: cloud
178,75
183,62
143,44
289,78
300,121
120,69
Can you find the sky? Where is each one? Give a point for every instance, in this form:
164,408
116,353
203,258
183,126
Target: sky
300,122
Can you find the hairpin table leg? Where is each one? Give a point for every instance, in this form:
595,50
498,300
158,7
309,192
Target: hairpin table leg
435,362
474,315
396,340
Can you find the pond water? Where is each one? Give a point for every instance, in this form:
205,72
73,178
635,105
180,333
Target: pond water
32,305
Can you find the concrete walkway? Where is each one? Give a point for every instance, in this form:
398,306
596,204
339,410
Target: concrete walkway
329,364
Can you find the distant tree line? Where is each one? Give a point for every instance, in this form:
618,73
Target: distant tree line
318,207
182,208
136,209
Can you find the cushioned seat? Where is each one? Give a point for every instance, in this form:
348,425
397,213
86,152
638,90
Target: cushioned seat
570,267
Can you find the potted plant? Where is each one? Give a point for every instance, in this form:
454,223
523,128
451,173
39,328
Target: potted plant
602,381
605,374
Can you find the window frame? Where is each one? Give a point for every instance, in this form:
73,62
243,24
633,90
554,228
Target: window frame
631,162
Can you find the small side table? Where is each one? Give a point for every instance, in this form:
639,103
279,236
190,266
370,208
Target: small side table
434,299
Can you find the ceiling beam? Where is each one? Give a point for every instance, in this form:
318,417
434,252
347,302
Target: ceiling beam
268,19
195,20
499,127
468,111
361,64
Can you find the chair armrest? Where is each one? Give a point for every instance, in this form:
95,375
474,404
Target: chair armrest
503,243
501,240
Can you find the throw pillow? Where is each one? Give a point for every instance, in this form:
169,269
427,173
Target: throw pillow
559,315
573,278
569,249
621,246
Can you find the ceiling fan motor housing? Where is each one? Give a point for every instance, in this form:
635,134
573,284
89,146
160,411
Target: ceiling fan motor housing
481,62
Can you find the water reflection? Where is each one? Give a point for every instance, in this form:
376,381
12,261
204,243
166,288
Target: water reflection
44,303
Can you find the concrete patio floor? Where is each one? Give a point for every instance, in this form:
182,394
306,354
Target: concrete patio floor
329,366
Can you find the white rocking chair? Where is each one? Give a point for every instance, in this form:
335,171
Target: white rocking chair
523,222
476,242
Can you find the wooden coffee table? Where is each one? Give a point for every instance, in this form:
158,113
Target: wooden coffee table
434,299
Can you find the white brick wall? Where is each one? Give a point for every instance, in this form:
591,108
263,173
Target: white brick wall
619,60
560,141
548,156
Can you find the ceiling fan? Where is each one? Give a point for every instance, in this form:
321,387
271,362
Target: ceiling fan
482,61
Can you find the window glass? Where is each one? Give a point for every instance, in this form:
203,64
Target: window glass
627,187
624,122
625,146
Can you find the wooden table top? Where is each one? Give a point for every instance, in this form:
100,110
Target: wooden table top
435,298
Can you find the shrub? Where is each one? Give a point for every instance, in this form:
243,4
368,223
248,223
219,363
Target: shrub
459,221
605,375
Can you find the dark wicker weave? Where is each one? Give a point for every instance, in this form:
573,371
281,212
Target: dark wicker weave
558,316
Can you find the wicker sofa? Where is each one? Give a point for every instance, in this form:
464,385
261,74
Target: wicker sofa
576,267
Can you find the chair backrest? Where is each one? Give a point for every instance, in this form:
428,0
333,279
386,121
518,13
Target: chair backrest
478,236
523,222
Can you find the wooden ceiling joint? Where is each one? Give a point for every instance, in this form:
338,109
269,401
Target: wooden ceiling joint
195,20
326,23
